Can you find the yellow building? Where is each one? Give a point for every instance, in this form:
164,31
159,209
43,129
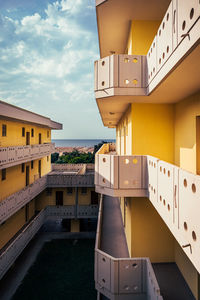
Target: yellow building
32,191
147,86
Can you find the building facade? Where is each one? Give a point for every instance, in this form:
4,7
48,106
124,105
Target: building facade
147,87
32,191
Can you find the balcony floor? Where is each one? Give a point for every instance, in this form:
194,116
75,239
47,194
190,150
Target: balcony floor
172,284
113,240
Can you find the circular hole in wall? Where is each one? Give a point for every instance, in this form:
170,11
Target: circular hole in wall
164,171
103,83
160,169
185,226
151,50
168,173
164,202
154,165
168,207
163,25
135,60
160,198
126,81
154,70
103,63
159,60
154,45
163,55
183,25
104,159
154,191
135,161
151,73
167,16
134,265
126,161
167,49
160,32
185,183
194,236
103,280
135,81
152,188
191,13
194,188
103,180
126,59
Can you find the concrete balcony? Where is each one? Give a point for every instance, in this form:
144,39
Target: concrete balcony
117,276
173,57
13,249
13,203
65,179
167,186
120,175
72,211
11,156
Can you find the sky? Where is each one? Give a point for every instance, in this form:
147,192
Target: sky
47,54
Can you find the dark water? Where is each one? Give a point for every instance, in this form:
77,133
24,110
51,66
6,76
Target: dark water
64,269
80,143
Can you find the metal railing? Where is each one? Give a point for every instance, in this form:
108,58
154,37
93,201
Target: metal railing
120,278
64,180
10,156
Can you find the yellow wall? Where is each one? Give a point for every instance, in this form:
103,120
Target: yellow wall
16,180
84,199
186,112
11,226
141,36
14,134
153,130
150,236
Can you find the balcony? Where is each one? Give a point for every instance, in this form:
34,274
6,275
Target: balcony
173,57
72,211
13,203
10,252
120,175
116,275
14,155
173,192
62,179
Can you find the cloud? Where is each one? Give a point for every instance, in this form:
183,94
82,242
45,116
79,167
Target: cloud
46,57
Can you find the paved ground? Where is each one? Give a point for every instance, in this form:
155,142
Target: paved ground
113,239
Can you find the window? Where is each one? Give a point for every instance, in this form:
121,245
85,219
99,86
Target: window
48,191
3,174
48,133
23,131
69,190
83,190
47,158
23,167
32,164
32,132
4,129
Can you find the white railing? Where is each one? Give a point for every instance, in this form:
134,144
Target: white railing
13,203
121,278
10,156
10,254
139,75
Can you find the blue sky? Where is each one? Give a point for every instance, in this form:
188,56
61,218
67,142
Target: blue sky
47,53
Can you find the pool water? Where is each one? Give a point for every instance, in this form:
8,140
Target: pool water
64,269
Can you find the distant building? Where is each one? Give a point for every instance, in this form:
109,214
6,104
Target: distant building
147,86
31,190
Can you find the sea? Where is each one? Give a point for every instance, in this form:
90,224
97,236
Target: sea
80,143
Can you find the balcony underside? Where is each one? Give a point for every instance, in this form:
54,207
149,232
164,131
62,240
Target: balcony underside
121,192
178,83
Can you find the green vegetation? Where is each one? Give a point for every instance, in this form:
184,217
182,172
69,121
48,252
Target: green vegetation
76,157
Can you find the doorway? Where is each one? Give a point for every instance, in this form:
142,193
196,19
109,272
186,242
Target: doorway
27,175
94,198
40,138
27,138
39,168
59,198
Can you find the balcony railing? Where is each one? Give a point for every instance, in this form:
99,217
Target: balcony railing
13,203
11,156
123,278
117,175
138,75
63,180
174,193
72,211
10,253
